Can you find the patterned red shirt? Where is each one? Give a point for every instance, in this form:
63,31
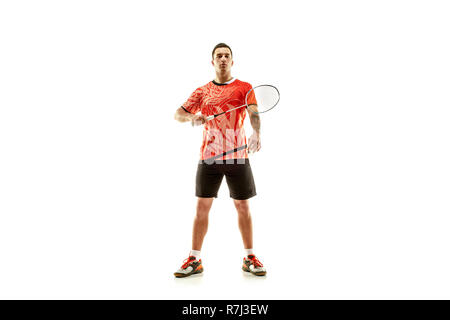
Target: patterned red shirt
226,132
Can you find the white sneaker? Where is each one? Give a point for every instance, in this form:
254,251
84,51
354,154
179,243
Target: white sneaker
190,266
253,265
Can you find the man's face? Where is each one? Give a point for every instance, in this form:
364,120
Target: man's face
222,61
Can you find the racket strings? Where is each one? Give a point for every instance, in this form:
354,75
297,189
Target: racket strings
262,98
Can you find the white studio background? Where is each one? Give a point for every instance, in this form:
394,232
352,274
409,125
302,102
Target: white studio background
97,179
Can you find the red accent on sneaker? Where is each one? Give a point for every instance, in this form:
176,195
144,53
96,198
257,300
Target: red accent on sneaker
187,262
255,261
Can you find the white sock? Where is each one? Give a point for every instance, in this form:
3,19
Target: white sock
248,251
195,253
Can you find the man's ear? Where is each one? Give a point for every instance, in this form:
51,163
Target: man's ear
212,62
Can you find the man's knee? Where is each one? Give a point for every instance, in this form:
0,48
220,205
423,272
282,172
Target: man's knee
203,206
242,207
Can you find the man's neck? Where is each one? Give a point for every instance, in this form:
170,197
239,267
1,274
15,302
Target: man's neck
222,78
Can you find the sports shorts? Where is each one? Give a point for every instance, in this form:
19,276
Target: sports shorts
239,178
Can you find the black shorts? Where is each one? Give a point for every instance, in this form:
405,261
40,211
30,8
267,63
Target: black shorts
239,178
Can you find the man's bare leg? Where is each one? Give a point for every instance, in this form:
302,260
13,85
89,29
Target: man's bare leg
201,222
245,222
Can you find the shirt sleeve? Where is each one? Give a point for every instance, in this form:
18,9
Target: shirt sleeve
193,104
251,99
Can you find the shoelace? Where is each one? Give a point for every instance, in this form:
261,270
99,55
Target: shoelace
255,261
187,262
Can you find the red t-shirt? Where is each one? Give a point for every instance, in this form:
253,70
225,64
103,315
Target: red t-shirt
226,132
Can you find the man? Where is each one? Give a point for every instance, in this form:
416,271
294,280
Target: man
222,134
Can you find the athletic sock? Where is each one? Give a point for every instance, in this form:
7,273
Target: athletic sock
248,252
195,253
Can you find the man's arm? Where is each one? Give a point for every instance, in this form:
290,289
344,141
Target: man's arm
182,115
255,121
254,143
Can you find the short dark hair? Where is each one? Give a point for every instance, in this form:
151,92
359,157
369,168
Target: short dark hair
221,45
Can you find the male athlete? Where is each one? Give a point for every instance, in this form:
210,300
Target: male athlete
220,135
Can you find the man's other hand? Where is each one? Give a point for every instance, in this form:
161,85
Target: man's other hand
254,142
